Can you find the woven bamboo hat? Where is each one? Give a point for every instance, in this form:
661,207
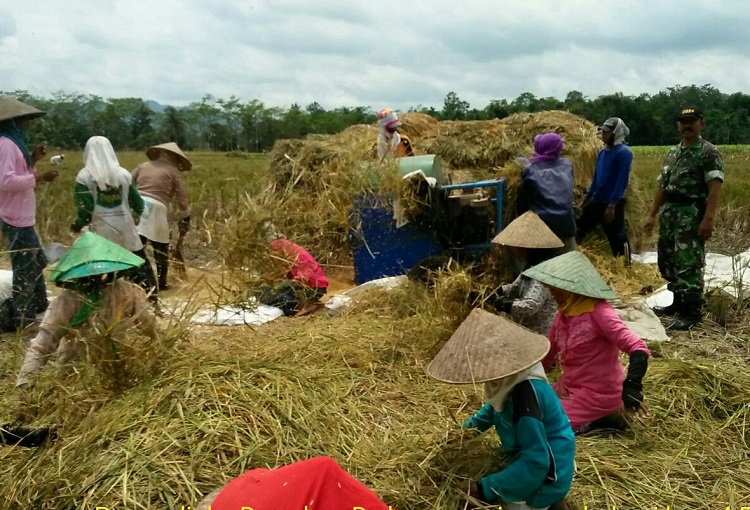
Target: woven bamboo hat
487,347
573,272
153,153
528,231
11,108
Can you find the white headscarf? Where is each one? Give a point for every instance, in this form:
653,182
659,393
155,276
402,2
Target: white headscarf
100,160
496,392
620,132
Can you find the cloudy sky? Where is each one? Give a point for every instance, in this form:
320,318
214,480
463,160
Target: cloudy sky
351,53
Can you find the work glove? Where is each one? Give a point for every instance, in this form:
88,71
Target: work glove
632,388
505,305
27,437
184,226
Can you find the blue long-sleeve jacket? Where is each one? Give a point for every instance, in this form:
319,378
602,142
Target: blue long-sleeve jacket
547,189
611,175
536,433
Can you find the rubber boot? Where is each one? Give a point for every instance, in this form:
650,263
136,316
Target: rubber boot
669,311
688,315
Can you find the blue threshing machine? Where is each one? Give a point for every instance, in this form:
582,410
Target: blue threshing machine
460,221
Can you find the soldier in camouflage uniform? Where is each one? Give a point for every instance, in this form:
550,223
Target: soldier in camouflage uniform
689,191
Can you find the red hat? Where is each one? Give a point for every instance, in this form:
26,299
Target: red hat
317,483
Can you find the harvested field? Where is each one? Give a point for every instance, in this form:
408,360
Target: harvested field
203,404
354,387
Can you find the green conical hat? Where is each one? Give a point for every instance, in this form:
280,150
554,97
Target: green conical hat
572,272
90,255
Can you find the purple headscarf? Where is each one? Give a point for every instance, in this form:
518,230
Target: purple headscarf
547,146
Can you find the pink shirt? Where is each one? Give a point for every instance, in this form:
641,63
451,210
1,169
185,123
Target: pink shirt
588,349
302,266
17,183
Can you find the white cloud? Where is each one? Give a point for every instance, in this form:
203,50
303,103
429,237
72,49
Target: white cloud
343,53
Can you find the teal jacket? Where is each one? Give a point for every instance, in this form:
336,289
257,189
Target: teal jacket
536,435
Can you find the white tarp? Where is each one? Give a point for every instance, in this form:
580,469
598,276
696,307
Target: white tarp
6,284
639,317
232,316
730,274
340,302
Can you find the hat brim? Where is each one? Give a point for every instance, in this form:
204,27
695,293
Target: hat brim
689,117
486,347
185,165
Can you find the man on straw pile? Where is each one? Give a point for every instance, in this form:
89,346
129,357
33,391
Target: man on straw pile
109,203
528,301
94,295
586,338
546,188
688,196
391,143
18,178
523,407
305,281
605,199
159,181
314,483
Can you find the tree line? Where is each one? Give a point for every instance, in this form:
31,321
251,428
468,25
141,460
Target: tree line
230,124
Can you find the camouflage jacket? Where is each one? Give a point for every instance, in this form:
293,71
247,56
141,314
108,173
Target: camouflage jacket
686,172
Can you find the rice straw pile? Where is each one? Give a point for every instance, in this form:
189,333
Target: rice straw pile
315,177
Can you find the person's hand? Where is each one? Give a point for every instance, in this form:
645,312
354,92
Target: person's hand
609,214
648,224
48,176
184,226
39,152
505,305
638,414
706,229
632,395
474,490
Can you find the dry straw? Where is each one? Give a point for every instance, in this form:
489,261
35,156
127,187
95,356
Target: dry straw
317,176
354,387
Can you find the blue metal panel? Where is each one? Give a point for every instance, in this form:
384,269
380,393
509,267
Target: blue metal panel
379,248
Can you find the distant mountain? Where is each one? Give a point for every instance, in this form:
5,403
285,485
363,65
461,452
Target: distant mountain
155,107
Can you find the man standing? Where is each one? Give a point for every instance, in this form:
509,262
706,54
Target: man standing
689,189
18,178
605,199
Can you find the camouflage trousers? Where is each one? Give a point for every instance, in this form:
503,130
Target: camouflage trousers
682,253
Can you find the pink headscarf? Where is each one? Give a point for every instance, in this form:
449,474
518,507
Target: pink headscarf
547,147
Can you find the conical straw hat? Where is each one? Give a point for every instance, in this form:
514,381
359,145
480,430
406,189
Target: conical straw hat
11,108
153,153
528,231
487,347
90,255
572,272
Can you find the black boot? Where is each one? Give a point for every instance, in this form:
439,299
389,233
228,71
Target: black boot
668,311
689,314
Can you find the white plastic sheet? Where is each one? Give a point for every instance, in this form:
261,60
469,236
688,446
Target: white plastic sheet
729,274
639,317
340,302
6,284
231,316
